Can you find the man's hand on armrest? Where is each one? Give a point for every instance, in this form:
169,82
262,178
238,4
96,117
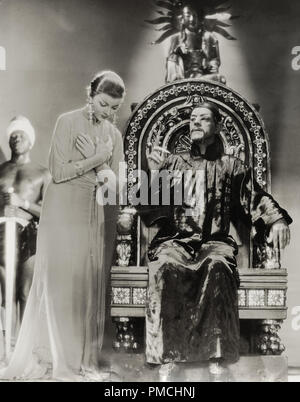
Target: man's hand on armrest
279,235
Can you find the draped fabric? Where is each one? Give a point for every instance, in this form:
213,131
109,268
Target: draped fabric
62,331
192,309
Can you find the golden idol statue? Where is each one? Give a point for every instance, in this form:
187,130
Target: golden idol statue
194,48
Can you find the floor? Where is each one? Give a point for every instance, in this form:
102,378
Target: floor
132,368
124,366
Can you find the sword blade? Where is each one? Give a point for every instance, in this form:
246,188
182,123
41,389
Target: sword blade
10,270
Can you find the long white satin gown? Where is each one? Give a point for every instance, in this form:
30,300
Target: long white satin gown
63,326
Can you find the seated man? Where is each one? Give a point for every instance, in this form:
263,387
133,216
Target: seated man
21,190
192,306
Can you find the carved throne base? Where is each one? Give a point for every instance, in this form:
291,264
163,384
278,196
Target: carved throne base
262,302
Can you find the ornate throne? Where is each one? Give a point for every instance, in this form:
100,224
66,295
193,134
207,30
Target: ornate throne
163,118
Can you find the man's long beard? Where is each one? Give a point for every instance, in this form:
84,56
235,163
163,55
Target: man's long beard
196,147
199,143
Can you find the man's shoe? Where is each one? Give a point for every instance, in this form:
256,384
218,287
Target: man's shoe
218,372
168,372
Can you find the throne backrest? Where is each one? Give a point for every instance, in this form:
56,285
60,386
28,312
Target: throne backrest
163,119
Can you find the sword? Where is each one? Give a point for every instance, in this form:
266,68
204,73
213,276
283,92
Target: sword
10,269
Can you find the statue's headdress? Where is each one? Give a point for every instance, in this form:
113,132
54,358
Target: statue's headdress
211,14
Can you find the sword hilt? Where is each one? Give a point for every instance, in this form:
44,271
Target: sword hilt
14,219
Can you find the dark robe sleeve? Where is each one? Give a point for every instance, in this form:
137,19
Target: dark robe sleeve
251,203
159,213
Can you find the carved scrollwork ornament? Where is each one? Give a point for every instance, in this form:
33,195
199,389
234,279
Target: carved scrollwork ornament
269,342
125,338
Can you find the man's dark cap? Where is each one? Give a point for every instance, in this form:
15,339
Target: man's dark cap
212,107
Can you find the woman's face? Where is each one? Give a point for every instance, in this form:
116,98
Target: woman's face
105,106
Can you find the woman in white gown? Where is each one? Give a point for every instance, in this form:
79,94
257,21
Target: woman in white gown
63,326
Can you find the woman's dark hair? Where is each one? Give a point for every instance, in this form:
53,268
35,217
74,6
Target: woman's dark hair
107,82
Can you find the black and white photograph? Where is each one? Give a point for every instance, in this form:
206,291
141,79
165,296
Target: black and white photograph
149,193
